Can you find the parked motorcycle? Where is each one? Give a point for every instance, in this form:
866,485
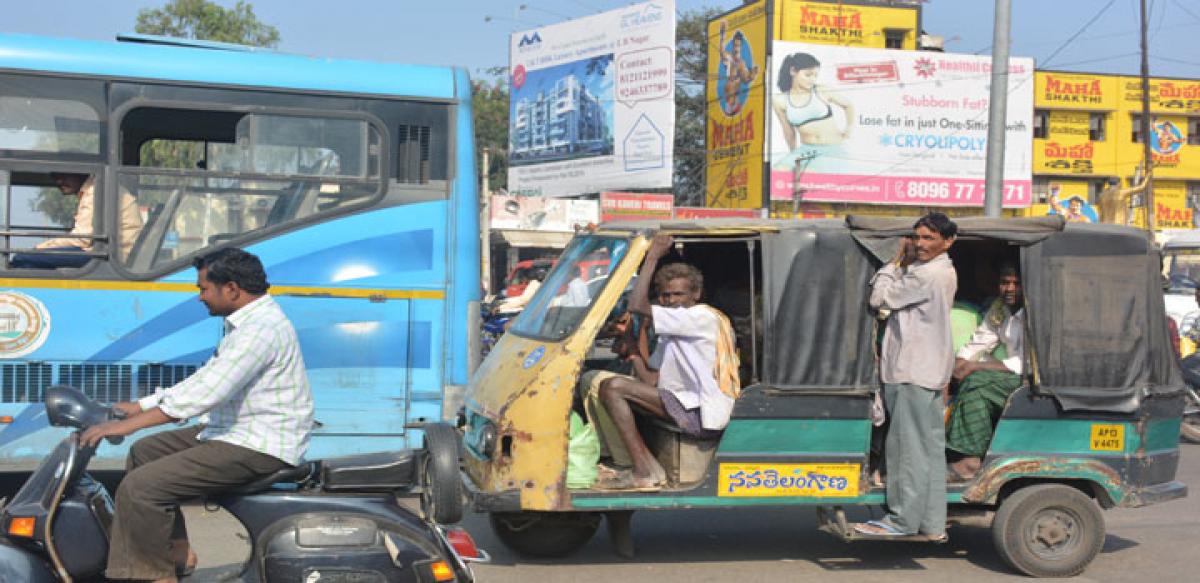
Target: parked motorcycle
336,517
495,323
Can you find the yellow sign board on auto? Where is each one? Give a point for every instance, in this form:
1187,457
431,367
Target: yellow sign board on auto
756,480
1108,437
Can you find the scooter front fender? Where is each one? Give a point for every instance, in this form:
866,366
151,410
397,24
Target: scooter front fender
18,564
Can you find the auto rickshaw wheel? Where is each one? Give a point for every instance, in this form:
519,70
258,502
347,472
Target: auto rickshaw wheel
544,534
1189,429
441,485
1048,530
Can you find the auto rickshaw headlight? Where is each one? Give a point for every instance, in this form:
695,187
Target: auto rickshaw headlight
487,440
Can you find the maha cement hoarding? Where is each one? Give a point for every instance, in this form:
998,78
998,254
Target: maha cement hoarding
592,103
892,127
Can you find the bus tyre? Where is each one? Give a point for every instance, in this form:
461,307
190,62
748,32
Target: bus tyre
1048,530
441,491
544,534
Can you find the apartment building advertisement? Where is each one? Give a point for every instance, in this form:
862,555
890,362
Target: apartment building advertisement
592,103
878,126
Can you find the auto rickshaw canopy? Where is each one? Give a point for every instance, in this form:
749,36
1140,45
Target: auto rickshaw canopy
1098,337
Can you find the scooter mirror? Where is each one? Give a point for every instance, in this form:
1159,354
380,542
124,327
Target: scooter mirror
69,407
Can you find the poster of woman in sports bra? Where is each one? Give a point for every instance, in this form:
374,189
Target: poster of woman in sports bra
867,125
805,111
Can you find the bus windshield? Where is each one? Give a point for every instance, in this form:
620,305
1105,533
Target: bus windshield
563,300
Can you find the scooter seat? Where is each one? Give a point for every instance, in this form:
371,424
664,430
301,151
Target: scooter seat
290,475
385,471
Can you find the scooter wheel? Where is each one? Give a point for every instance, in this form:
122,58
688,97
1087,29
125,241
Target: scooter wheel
441,491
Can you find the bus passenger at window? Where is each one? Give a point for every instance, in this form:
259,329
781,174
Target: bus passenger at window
987,379
696,381
916,362
78,240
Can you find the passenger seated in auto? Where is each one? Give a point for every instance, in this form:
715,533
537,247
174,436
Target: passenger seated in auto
986,381
691,379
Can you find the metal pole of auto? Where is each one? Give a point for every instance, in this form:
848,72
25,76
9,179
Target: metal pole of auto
993,194
485,226
1147,155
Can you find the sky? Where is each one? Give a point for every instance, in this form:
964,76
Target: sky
458,32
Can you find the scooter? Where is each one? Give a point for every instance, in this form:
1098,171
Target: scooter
334,519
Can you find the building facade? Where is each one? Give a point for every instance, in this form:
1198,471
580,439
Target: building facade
1087,137
567,120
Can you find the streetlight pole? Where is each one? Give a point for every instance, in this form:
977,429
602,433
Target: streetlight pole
997,111
1147,154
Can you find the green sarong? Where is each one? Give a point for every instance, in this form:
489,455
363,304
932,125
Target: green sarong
980,401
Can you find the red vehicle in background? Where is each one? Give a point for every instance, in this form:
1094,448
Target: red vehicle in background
526,270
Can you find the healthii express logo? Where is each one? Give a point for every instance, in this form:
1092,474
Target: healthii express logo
24,324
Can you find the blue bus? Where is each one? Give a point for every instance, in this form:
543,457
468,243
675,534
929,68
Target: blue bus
353,181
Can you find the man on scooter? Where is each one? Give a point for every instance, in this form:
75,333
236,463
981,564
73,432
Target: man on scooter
260,413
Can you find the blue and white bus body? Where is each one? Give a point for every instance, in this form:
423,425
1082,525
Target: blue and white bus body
379,294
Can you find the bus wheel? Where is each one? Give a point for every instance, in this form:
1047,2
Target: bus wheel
1048,530
545,534
441,491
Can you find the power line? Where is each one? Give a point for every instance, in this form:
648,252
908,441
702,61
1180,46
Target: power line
1180,5
1079,32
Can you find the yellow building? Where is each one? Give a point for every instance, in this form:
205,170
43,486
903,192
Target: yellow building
737,54
1087,136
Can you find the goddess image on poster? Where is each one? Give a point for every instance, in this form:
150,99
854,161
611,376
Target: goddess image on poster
805,111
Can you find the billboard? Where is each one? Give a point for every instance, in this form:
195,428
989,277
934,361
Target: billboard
592,103
736,112
535,213
633,206
892,127
846,23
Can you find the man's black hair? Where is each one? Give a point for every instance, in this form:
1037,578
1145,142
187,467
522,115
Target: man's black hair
938,223
233,264
1008,268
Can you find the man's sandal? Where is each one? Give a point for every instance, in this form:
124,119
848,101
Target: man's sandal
878,529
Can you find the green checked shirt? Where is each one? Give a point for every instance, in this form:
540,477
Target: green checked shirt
253,389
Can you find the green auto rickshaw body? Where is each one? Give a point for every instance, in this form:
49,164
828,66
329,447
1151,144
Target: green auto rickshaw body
1099,410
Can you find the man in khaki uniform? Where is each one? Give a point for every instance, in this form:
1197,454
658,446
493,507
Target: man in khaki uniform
79,238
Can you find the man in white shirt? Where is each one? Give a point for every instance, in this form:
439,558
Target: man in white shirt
985,381
691,379
260,413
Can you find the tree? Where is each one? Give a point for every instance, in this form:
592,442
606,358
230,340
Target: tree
691,70
201,20
205,20
489,99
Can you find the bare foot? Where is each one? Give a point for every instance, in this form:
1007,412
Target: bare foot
966,468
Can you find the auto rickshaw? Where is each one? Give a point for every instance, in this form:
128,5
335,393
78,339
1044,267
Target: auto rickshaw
1094,426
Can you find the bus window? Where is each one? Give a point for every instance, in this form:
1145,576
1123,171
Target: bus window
34,204
241,173
49,115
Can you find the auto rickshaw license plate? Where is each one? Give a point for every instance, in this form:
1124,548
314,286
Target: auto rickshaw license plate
1108,437
778,480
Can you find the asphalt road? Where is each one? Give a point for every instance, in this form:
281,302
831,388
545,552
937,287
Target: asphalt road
1159,543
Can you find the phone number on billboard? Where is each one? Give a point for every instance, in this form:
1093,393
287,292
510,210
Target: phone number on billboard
952,190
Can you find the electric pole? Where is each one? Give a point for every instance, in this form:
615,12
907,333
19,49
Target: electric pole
993,195
1147,153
